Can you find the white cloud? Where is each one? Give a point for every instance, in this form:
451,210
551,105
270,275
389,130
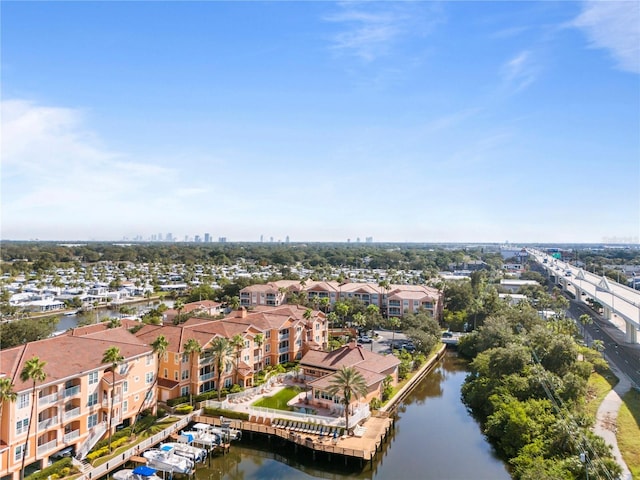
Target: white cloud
371,29
613,26
56,170
520,71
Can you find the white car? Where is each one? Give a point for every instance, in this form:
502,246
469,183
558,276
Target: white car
365,339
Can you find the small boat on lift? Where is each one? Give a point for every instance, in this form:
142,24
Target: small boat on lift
166,460
202,435
189,451
139,473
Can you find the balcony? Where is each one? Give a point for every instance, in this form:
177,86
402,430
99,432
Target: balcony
206,376
72,391
283,336
44,448
74,412
44,424
116,399
71,436
283,350
47,399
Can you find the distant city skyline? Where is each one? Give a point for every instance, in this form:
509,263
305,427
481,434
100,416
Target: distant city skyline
321,121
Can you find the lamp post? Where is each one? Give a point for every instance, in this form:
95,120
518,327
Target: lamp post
585,461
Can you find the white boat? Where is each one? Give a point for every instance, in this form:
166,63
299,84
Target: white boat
189,451
138,473
165,460
202,435
226,432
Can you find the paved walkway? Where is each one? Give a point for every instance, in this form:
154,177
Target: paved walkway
607,416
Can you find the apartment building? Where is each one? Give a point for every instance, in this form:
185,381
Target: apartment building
320,367
73,404
270,335
396,300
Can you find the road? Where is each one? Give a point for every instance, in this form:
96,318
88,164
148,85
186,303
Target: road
382,344
625,356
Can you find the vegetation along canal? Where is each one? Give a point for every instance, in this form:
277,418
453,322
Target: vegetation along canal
435,438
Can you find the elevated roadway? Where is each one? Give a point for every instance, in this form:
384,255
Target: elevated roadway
621,304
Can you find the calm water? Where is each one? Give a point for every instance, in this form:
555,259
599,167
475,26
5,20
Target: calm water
435,438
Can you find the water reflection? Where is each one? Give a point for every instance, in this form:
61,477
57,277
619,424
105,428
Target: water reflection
435,438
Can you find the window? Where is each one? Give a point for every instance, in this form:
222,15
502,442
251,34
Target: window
23,400
125,386
21,426
246,358
317,338
185,374
149,359
166,373
165,357
267,348
185,358
298,330
125,406
92,420
93,399
184,391
18,455
176,359
267,334
299,342
317,326
93,378
246,344
175,374
148,377
267,361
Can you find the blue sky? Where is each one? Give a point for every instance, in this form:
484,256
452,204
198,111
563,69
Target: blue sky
404,121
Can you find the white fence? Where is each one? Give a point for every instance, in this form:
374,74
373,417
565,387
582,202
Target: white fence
105,468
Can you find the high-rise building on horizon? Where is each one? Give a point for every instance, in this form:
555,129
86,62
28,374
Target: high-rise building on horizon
207,238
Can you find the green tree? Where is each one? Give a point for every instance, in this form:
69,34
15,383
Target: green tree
222,351
349,384
394,324
113,357
192,348
585,320
342,310
33,371
6,392
237,344
159,347
259,341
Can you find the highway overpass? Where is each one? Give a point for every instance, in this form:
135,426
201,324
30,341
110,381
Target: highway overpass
621,304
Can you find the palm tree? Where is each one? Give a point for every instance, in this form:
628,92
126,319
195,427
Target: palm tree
114,323
159,347
6,392
112,356
324,304
234,302
349,383
191,347
394,322
33,370
237,343
221,350
259,341
585,320
178,305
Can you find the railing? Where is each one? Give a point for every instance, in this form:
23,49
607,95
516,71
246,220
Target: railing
70,392
71,436
44,424
206,376
47,399
42,449
283,350
116,399
71,413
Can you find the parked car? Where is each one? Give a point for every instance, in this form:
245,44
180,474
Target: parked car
365,339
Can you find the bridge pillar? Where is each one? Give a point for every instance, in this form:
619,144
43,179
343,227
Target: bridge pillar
631,334
606,312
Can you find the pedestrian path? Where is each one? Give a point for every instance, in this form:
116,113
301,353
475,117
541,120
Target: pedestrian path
607,416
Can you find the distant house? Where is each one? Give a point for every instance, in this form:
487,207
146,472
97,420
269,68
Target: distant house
514,286
203,307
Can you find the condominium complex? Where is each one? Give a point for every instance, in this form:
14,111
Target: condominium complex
270,336
394,300
71,406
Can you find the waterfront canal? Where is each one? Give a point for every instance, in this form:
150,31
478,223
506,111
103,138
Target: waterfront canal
435,438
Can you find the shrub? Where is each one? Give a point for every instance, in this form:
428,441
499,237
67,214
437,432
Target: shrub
217,412
65,464
375,403
177,401
235,388
184,409
162,413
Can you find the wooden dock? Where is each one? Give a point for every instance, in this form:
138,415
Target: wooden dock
363,448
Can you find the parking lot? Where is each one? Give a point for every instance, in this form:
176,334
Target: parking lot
382,342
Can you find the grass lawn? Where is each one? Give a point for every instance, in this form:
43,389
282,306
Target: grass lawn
597,388
279,400
629,431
